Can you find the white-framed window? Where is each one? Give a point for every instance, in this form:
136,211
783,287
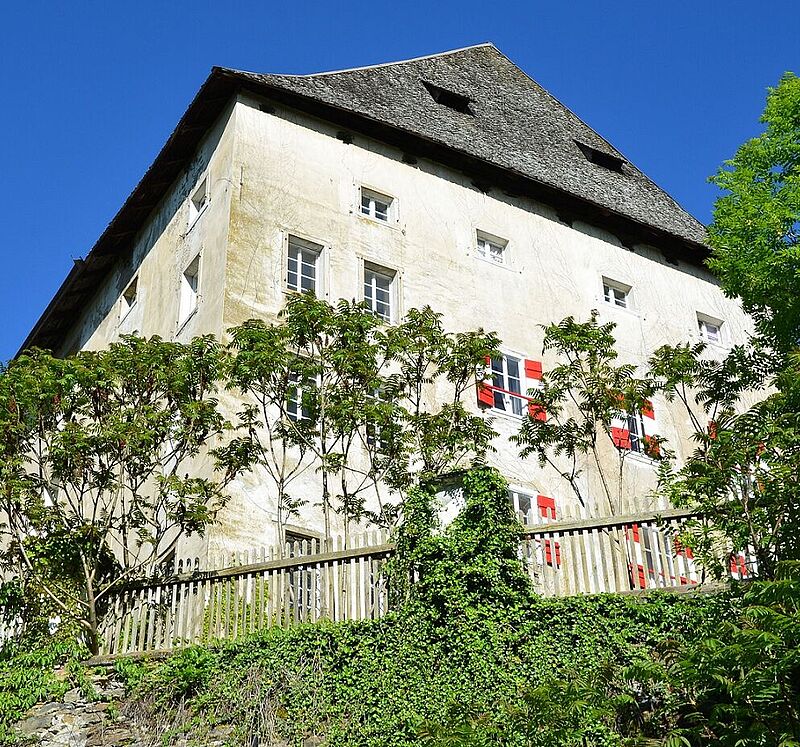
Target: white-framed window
376,205
635,427
379,291
199,200
710,329
374,435
189,293
522,503
507,378
303,266
297,405
616,293
129,297
491,248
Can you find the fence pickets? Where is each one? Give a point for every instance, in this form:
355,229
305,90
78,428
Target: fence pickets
303,581
309,580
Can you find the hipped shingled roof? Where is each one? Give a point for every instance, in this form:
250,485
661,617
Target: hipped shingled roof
515,136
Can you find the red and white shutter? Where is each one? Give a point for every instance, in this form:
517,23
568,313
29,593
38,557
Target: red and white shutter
651,446
551,548
485,388
533,374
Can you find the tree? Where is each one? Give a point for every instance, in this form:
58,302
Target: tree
756,226
741,480
337,391
96,452
582,396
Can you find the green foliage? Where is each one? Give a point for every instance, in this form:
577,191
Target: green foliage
94,453
334,388
582,394
468,637
29,674
743,476
756,224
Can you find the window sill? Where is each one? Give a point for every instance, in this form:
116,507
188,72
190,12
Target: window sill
640,459
391,223
499,265
619,309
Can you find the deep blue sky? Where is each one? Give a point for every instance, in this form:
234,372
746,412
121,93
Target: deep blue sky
93,89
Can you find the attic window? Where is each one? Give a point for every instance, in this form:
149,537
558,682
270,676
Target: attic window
449,98
599,157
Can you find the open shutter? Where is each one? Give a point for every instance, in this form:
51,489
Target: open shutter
533,370
647,410
537,412
485,391
621,437
712,428
547,506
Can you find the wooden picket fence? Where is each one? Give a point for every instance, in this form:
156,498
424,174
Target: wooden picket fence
635,552
302,581
307,581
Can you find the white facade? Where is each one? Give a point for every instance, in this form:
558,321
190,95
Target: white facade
214,253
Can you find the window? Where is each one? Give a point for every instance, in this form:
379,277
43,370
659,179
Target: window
635,428
451,99
128,300
710,329
198,201
616,294
511,378
376,434
522,503
190,281
507,382
601,158
379,291
298,404
491,248
376,205
302,266
636,431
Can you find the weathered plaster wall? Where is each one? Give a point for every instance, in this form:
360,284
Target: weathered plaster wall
160,253
295,176
273,171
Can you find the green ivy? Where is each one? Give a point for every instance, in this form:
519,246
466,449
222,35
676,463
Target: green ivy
468,636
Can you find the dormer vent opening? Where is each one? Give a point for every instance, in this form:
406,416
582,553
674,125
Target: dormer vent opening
601,158
450,99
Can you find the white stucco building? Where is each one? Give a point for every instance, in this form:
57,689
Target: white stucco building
453,180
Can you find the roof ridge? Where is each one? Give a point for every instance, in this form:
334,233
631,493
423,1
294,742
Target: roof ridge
387,64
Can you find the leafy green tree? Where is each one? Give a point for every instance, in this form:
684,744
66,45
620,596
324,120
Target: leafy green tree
96,452
582,395
371,408
741,480
756,224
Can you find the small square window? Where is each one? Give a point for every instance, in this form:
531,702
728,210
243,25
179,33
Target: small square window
375,205
128,300
198,201
303,266
491,248
710,329
616,294
379,291
190,283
